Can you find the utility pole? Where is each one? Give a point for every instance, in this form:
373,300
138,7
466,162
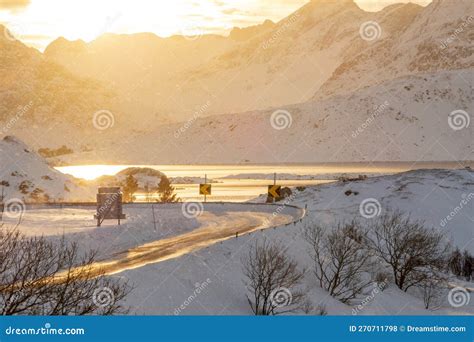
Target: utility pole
2,204
274,183
205,182
154,220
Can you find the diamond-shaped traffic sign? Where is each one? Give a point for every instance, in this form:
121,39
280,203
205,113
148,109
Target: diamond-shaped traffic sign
205,189
274,191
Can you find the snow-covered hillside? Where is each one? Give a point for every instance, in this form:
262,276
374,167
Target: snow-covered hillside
430,195
389,78
404,40
406,119
330,45
37,92
26,176
443,199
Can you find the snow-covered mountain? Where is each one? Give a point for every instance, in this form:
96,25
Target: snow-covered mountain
26,176
405,119
334,67
411,41
274,65
51,94
141,68
323,49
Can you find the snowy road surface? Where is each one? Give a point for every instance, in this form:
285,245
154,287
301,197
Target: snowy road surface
146,237
214,228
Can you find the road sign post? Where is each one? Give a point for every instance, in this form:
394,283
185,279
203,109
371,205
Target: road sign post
205,189
274,191
109,205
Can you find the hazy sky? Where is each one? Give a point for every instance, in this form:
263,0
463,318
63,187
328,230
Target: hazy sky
37,22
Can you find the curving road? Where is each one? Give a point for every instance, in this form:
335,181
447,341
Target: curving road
215,226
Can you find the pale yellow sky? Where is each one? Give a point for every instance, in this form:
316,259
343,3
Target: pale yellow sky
38,22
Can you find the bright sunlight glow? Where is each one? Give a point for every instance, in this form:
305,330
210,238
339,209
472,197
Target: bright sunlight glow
90,172
39,22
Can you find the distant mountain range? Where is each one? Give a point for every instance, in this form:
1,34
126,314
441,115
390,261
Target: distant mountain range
354,85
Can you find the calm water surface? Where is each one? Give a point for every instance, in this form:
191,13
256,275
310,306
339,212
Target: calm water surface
240,183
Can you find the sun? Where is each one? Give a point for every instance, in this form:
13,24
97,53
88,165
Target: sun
91,172
42,21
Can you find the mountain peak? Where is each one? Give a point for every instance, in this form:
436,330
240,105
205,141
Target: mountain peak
62,44
246,33
333,3
324,8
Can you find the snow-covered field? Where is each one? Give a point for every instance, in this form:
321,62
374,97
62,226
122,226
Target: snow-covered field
151,232
216,272
186,266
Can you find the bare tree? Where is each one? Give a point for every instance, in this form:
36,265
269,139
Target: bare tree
2,199
467,265
455,262
412,251
41,277
273,280
341,263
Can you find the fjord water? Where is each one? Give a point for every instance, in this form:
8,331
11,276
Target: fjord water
242,182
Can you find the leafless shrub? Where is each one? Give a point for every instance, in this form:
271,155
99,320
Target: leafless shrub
467,266
340,260
272,279
382,278
307,307
321,310
40,277
432,291
412,251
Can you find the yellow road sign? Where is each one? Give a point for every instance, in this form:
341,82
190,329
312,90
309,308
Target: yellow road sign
274,191
205,189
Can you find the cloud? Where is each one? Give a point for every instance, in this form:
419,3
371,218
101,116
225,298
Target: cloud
12,5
